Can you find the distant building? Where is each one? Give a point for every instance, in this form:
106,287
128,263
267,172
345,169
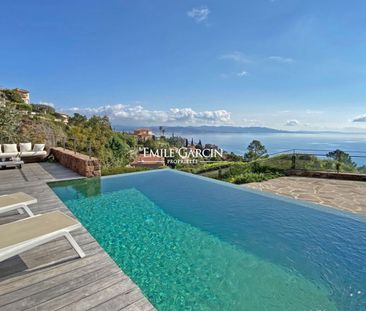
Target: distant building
24,94
143,134
65,118
191,148
211,146
148,161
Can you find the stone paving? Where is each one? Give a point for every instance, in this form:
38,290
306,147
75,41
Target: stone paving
341,194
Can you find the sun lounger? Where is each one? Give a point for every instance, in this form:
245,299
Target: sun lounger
22,235
18,201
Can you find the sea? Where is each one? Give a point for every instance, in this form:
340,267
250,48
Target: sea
315,143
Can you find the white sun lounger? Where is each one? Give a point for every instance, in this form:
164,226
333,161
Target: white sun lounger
22,235
18,201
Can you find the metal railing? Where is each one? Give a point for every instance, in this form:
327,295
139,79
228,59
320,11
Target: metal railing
72,143
314,160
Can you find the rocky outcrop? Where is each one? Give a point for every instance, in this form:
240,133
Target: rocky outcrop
79,163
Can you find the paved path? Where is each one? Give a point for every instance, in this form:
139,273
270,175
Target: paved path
341,194
52,276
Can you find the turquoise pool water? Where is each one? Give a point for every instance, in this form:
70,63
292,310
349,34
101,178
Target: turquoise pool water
191,243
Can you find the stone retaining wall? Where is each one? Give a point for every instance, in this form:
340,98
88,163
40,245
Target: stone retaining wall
331,175
79,163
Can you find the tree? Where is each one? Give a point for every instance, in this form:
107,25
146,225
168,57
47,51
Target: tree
341,157
40,108
9,123
255,150
199,145
77,119
12,96
177,141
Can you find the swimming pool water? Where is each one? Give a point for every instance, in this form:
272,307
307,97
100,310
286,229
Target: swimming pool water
191,243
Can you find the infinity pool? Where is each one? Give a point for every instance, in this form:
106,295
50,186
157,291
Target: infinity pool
192,243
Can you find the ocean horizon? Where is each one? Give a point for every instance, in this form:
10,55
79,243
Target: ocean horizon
313,142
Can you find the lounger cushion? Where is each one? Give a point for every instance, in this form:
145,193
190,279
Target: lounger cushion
38,147
31,228
1,150
10,148
24,147
15,199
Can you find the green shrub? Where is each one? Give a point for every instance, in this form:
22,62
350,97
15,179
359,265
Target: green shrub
121,170
249,177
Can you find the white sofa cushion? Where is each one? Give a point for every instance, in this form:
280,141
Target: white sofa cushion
33,154
25,147
38,147
8,155
1,150
10,148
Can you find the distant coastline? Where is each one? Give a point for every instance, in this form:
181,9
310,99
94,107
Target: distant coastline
225,129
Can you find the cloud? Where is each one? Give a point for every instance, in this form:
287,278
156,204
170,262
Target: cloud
235,56
138,114
280,59
361,118
199,14
292,123
242,74
47,104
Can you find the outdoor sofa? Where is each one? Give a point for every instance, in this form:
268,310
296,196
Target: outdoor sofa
25,151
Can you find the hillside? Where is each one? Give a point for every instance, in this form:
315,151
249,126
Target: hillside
21,122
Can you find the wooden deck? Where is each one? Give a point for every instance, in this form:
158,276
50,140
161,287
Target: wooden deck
51,276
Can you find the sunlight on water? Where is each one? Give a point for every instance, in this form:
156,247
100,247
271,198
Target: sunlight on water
180,267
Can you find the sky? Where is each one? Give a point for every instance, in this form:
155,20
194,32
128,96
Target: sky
288,64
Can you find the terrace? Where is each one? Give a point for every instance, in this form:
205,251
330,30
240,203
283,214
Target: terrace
347,195
51,276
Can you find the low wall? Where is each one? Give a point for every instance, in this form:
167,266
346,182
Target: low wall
79,163
331,175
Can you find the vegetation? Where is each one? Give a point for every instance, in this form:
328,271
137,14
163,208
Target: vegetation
235,172
121,170
9,123
240,170
20,122
11,96
255,150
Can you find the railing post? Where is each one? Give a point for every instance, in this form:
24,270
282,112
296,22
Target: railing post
64,143
89,149
74,147
293,160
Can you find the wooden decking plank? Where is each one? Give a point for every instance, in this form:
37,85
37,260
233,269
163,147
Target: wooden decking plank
32,281
24,280
51,282
140,305
79,293
42,293
118,289
69,253
120,301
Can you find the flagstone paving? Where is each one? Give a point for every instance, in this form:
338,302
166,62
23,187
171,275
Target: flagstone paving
342,194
